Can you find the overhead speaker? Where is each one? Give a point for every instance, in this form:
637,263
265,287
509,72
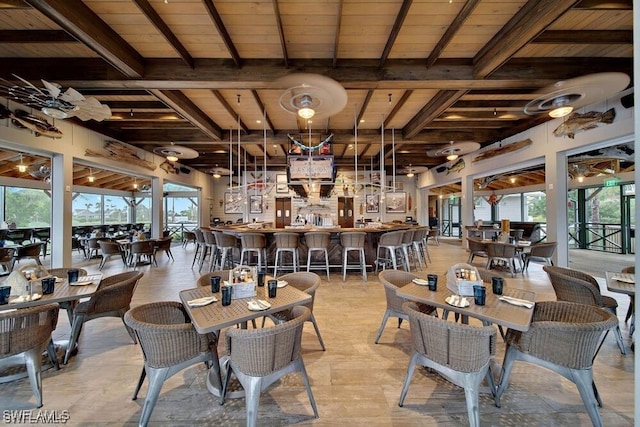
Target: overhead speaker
627,101
184,170
441,169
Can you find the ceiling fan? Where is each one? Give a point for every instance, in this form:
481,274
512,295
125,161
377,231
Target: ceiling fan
218,172
410,171
40,171
54,102
561,98
311,95
173,152
454,150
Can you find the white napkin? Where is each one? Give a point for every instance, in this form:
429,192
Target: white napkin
282,284
420,282
25,298
258,305
457,301
199,302
83,283
517,301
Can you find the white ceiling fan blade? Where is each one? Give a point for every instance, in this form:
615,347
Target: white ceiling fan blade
53,89
72,96
91,108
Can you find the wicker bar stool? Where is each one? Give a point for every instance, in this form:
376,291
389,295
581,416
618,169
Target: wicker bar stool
285,242
200,246
353,241
407,249
226,244
418,246
253,243
388,245
211,248
318,241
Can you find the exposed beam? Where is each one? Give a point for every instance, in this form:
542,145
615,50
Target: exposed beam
283,40
434,108
363,109
13,4
185,107
136,105
336,41
585,37
397,26
35,36
230,110
164,29
79,20
256,97
137,117
403,99
452,30
605,5
533,18
222,31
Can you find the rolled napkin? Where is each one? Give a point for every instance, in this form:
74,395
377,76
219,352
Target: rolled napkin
199,302
517,301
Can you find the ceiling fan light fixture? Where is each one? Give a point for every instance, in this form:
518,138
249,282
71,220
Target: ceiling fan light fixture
452,157
172,158
216,175
561,111
410,175
55,113
306,113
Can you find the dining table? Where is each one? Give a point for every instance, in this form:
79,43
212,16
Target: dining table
623,283
214,317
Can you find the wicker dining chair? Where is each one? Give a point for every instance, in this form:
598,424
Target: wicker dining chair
164,245
169,343
576,286
631,312
392,280
476,248
563,337
460,353
306,282
259,357
188,237
6,258
504,252
541,252
108,250
30,251
27,332
142,249
111,299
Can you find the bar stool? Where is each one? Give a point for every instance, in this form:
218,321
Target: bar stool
285,242
200,246
407,248
253,242
211,247
388,244
226,244
318,241
353,241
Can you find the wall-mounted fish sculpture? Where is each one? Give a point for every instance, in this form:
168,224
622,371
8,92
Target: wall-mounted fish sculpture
24,120
457,166
582,122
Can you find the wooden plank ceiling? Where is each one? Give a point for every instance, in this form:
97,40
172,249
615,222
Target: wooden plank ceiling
428,72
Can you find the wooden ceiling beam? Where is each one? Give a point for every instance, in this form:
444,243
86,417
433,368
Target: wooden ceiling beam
452,30
533,18
403,99
185,107
164,29
256,97
336,40
434,108
77,19
222,31
283,40
136,105
147,117
395,30
35,36
230,110
590,37
364,106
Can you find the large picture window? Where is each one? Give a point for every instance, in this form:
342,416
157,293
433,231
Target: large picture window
27,207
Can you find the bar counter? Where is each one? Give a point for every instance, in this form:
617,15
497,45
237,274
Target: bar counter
334,249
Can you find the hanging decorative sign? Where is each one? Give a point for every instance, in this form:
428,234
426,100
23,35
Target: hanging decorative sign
322,146
316,168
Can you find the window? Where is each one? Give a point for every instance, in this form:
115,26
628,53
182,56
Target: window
27,207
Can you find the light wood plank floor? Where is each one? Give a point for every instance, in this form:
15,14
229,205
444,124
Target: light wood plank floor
355,382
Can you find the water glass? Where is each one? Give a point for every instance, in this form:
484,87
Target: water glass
215,283
72,275
273,288
432,280
497,283
48,285
479,294
226,295
261,274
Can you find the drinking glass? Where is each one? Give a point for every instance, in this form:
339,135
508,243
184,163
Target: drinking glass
215,284
273,288
48,285
226,295
432,280
497,283
72,275
479,294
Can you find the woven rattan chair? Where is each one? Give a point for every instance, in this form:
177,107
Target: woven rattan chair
140,250
6,257
164,245
392,280
541,252
108,250
504,252
169,343
112,299
576,286
259,357
30,251
27,332
188,237
476,248
460,353
563,337
306,282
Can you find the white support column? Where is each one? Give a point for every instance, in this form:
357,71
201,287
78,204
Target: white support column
467,206
556,173
61,217
157,204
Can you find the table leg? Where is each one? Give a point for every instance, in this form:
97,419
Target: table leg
214,379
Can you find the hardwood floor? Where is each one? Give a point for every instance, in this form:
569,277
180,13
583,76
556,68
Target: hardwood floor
355,382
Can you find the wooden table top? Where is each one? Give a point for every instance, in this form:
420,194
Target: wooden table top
621,286
494,311
62,293
213,317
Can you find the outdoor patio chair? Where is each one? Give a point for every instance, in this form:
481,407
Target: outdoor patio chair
541,252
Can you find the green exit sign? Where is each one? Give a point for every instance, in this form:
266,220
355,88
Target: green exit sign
611,182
